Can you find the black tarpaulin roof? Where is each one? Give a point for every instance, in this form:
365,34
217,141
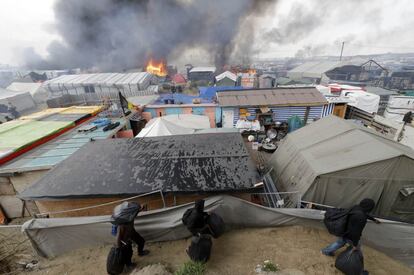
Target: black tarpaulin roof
188,163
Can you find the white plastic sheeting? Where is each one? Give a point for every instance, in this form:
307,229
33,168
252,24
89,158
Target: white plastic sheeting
53,237
182,124
362,100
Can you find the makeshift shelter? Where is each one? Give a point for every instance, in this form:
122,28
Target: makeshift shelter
362,100
36,90
23,101
335,162
169,170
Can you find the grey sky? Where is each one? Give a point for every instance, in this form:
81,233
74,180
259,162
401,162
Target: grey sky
291,27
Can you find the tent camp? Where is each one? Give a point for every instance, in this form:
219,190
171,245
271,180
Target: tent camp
335,162
174,125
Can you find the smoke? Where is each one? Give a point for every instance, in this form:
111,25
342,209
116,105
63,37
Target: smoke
115,35
296,24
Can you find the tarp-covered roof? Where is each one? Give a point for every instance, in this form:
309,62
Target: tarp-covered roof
53,152
209,162
272,97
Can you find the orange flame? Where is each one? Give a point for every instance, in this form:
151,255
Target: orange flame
157,68
251,71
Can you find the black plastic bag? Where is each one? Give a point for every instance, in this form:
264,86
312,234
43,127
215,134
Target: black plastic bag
336,220
115,261
200,248
216,225
350,262
125,213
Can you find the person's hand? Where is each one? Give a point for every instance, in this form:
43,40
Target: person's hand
354,248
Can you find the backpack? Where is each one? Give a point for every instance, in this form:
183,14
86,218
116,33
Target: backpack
216,225
200,248
336,220
115,261
350,262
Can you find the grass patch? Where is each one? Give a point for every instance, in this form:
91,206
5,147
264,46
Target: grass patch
192,268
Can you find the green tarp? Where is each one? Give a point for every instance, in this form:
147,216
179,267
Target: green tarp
15,135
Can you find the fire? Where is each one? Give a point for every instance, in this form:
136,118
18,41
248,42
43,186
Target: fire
157,68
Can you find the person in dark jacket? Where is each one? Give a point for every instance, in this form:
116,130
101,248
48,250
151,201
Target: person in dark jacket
197,222
127,235
357,219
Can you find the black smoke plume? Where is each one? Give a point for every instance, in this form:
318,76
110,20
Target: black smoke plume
115,35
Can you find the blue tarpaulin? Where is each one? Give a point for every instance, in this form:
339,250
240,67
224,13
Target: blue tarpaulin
210,92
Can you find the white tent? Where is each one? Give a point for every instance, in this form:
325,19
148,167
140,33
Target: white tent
362,100
159,126
189,121
174,125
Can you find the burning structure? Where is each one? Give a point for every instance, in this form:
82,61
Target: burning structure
158,68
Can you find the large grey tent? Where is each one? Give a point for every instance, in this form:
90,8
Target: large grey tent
336,162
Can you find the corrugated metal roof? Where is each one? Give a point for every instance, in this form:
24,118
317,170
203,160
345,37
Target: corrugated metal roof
115,167
272,97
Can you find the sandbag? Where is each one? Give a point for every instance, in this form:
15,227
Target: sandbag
336,220
200,248
350,262
115,261
216,225
125,213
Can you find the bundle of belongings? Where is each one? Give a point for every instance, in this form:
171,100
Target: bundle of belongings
203,226
120,255
347,225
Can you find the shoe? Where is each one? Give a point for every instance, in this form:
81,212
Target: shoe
330,254
143,253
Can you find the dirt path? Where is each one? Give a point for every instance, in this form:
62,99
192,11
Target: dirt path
236,252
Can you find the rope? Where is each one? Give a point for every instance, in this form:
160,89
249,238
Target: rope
96,206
